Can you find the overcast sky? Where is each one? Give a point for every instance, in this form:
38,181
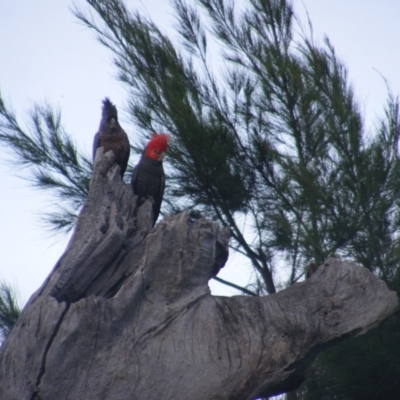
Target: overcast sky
47,55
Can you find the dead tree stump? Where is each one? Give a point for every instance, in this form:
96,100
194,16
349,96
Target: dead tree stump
127,313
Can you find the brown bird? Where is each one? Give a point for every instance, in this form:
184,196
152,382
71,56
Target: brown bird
111,136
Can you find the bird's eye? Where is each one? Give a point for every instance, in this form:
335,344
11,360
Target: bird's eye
156,151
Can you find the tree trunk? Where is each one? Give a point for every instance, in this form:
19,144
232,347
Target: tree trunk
127,313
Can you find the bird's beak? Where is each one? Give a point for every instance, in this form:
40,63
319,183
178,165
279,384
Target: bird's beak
112,122
161,156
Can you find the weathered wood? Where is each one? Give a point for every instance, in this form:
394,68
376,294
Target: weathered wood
127,313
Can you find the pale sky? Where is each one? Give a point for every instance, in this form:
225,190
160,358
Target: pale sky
47,55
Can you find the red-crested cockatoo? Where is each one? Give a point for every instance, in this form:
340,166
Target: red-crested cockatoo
148,178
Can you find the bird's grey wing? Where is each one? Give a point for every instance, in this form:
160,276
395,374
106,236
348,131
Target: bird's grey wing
160,197
134,177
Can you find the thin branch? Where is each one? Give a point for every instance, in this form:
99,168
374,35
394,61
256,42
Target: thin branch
244,290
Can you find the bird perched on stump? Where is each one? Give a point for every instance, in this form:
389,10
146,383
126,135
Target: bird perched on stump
111,136
148,178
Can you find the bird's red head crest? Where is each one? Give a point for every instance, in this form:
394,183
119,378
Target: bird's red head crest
157,146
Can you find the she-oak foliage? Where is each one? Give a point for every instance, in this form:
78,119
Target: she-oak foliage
268,138
9,309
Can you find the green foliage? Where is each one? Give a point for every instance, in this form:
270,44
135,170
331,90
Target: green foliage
362,368
9,310
272,135
51,160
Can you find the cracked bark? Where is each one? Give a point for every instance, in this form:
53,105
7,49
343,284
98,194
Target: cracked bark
127,313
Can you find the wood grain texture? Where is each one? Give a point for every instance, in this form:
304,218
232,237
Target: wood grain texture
127,313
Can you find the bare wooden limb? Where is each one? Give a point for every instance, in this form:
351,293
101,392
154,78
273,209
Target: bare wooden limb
127,313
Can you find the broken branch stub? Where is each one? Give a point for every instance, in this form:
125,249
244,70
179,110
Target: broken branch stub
127,313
